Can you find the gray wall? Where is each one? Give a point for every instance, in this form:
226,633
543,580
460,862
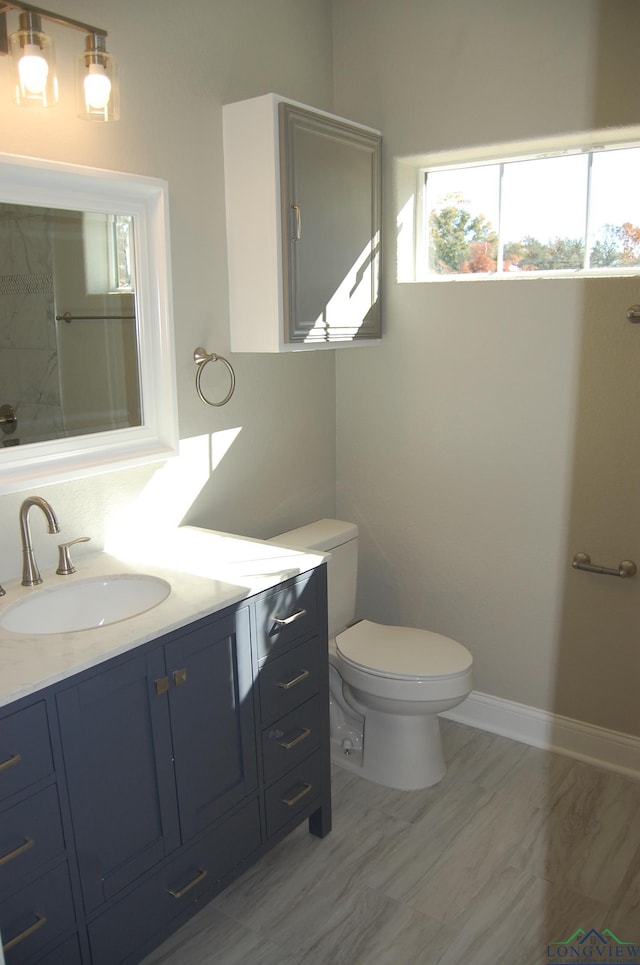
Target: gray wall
488,438
178,64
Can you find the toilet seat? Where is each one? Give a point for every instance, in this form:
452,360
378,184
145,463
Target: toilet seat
402,653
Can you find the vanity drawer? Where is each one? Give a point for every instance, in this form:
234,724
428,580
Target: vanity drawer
292,738
30,835
132,923
25,750
289,680
36,915
287,615
293,793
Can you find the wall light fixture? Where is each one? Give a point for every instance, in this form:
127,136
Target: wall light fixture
33,55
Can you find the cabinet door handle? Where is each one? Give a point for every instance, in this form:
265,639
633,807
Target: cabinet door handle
287,621
302,736
38,923
180,677
297,215
6,858
201,875
290,801
10,761
161,685
288,684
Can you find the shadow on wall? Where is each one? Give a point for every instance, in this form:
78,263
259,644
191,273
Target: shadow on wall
598,664
616,82
598,667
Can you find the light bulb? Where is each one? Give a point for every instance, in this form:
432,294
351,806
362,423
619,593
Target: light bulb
34,63
97,81
33,70
97,88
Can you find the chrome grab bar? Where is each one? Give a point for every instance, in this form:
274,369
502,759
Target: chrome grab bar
582,561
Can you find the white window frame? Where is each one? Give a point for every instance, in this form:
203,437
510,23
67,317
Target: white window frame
410,179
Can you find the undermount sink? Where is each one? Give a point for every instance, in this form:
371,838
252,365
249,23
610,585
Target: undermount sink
86,604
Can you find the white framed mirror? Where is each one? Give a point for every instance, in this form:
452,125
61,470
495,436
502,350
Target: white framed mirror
87,367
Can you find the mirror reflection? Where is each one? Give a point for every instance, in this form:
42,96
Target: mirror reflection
69,362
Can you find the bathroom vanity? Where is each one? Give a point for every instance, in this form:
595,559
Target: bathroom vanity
136,787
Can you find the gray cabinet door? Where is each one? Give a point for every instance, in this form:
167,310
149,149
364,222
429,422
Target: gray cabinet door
330,195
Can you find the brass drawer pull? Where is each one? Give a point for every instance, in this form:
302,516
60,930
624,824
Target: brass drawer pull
10,761
290,801
302,736
28,843
286,621
202,874
37,925
287,685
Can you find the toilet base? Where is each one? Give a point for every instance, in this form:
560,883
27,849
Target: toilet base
395,750
403,752
410,759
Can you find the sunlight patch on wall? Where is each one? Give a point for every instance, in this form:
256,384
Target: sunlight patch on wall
405,240
354,300
164,502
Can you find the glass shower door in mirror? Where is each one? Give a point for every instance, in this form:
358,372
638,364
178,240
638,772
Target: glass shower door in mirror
69,360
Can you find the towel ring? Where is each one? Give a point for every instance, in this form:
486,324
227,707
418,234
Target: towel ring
201,357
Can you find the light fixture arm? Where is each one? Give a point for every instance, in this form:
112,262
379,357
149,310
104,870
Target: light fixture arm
5,6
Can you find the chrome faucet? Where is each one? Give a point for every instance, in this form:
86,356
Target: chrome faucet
30,572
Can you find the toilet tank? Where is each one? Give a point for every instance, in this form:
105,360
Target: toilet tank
340,539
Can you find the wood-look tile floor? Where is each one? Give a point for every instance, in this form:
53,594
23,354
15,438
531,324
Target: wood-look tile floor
515,848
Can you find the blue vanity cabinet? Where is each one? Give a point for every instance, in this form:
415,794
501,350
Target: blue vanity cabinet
152,780
156,746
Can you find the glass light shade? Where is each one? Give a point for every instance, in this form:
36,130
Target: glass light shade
97,82
33,53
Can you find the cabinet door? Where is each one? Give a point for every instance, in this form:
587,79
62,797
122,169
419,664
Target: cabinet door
212,719
331,228
117,750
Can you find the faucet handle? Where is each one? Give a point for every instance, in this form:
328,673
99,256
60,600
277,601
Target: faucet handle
65,566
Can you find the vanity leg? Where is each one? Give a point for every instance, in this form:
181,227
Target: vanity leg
320,820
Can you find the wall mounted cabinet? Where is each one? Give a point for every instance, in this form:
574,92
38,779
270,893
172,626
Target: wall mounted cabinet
133,792
303,227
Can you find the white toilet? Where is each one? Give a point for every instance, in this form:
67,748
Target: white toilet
388,684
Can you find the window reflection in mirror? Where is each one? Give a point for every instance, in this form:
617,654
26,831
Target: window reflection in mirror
69,362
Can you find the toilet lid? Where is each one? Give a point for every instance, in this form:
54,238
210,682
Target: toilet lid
402,651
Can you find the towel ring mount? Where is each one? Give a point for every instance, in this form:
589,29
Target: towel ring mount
201,357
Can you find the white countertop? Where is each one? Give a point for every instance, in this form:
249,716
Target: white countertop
208,571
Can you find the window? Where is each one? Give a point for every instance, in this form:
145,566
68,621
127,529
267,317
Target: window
108,253
572,211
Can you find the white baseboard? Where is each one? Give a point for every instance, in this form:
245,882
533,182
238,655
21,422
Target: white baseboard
540,728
